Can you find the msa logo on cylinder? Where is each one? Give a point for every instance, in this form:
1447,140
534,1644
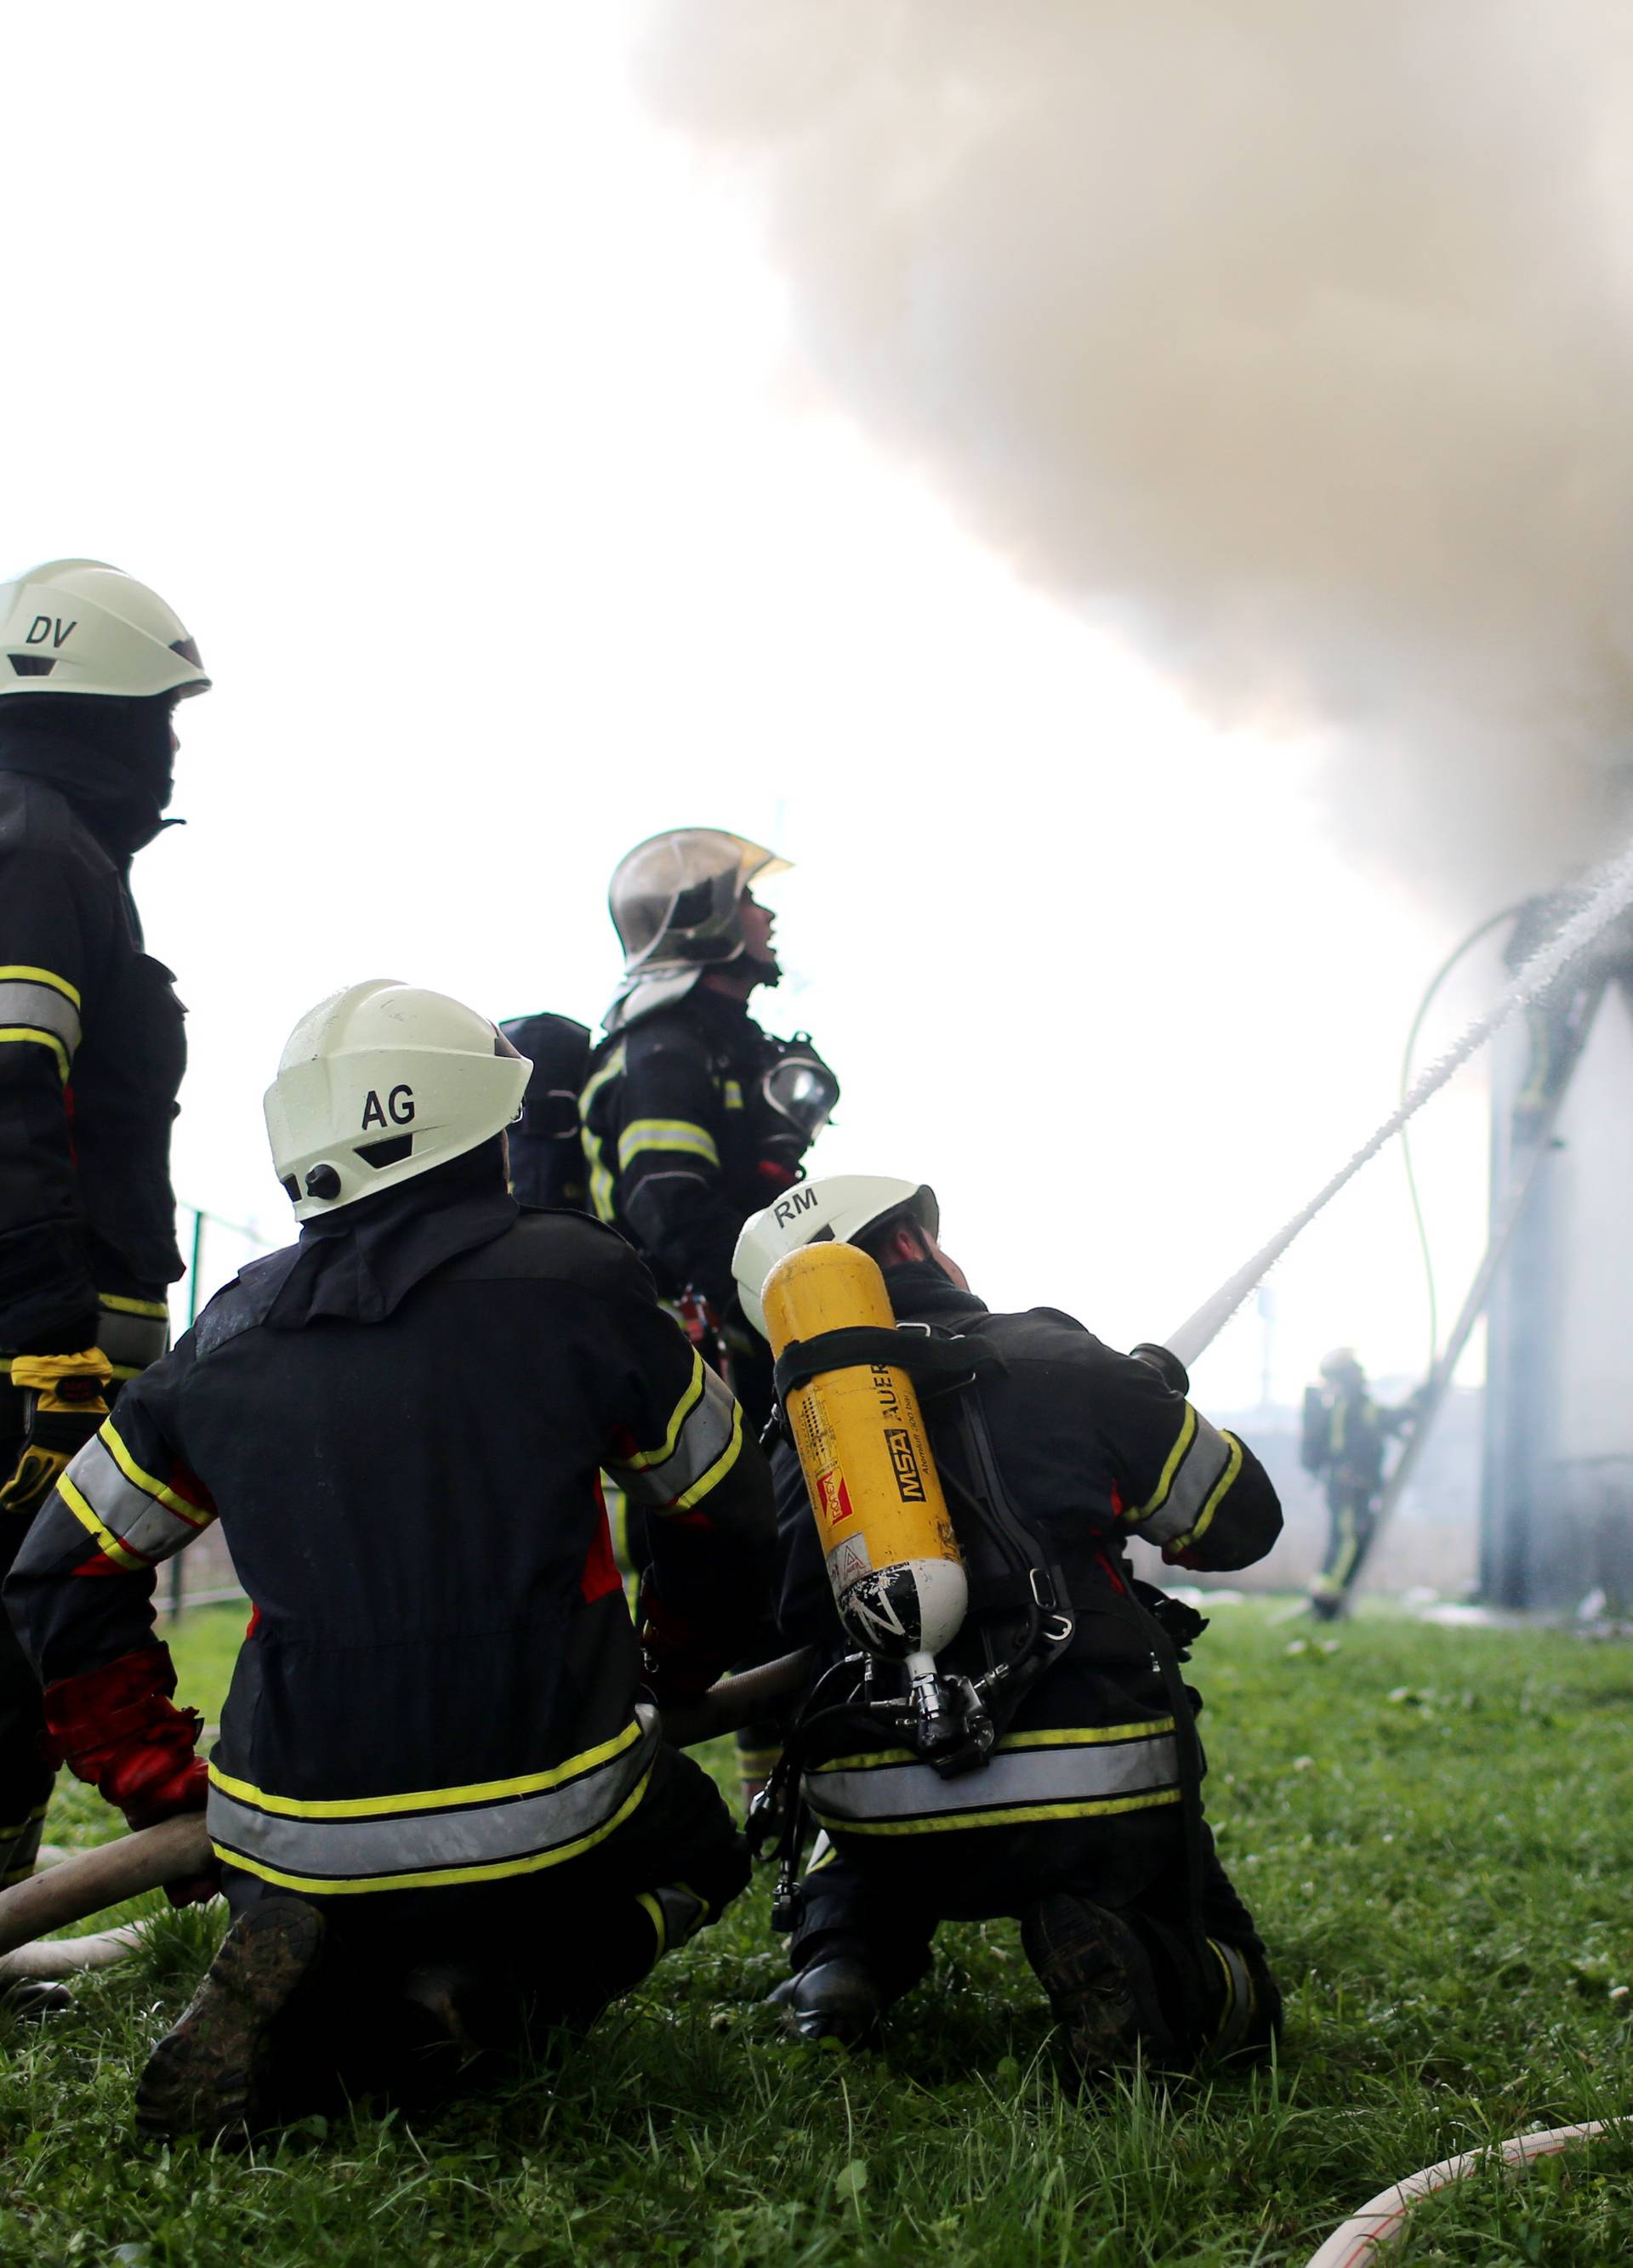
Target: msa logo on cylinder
398,1106
904,1465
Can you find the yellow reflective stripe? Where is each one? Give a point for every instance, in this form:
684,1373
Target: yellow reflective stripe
600,1181
683,1408
1064,1736
154,1308
654,1915
717,1470
11,1834
326,1886
666,1134
943,1822
107,1543
1061,1736
1175,1458
434,1799
40,1039
195,1515
731,1095
1204,1518
20,973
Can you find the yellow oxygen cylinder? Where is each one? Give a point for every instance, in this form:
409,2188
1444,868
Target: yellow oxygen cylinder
892,1556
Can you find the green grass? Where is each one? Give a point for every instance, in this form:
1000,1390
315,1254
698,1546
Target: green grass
1434,1827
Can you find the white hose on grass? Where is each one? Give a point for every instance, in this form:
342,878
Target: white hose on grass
1382,2218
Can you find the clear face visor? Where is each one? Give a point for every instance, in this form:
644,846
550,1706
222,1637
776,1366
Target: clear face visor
801,1088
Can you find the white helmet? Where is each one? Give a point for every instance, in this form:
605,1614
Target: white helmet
80,626
381,1082
837,1210
1343,1362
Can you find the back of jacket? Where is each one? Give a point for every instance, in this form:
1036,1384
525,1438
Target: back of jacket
91,1053
439,1679
1093,1448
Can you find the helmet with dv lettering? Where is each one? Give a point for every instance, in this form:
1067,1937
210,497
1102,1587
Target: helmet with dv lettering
80,626
380,1083
840,1209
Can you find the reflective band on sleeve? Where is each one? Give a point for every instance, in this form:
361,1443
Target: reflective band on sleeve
705,1447
43,1007
1199,1459
402,1843
22,1033
671,1134
131,1333
25,975
640,1459
1068,1774
601,1180
109,1492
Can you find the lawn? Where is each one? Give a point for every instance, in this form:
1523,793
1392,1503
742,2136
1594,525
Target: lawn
1434,1826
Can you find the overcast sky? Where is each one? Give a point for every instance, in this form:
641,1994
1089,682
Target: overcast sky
452,404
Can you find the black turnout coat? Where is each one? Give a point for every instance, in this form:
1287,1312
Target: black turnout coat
1093,1448
400,1422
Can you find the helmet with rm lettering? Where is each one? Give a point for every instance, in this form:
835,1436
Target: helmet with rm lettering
380,1083
840,1209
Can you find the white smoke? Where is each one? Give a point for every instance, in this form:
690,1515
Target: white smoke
1293,336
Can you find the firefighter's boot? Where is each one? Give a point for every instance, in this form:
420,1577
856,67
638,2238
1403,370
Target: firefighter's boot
206,2076
836,1997
1101,1984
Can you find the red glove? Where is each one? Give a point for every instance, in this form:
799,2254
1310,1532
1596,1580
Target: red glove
118,1729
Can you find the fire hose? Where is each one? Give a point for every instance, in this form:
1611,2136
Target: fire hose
1381,2219
179,1848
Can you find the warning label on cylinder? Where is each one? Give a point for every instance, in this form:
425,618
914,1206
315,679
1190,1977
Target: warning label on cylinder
849,1562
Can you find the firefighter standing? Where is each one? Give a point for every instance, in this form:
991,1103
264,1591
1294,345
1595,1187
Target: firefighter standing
1085,1819
1344,1434
694,1117
439,1806
92,1052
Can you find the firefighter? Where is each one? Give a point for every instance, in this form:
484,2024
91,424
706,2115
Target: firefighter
91,665
693,1117
439,1803
1344,1434
1082,1816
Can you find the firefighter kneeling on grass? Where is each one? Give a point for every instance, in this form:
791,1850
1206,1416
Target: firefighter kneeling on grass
1045,1763
439,1803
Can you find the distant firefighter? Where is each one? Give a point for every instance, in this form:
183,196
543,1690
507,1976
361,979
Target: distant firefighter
1344,1434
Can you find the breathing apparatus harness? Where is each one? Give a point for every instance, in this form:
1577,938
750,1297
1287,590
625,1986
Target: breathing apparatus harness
953,1722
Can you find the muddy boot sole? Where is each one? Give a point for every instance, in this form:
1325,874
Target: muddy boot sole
1101,1985
203,2077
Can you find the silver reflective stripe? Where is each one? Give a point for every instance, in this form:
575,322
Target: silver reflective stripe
130,1342
513,1835
702,1442
136,1517
42,1007
1208,1455
1080,1776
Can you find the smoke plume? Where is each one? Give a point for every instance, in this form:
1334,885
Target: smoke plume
1293,337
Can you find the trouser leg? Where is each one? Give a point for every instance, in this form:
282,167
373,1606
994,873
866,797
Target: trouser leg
27,1771
419,1990
849,1910
1217,1990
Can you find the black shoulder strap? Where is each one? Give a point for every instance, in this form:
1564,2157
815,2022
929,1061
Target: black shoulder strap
931,1361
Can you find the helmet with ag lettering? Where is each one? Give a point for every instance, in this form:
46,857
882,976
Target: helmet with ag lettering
839,1209
80,626
380,1083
